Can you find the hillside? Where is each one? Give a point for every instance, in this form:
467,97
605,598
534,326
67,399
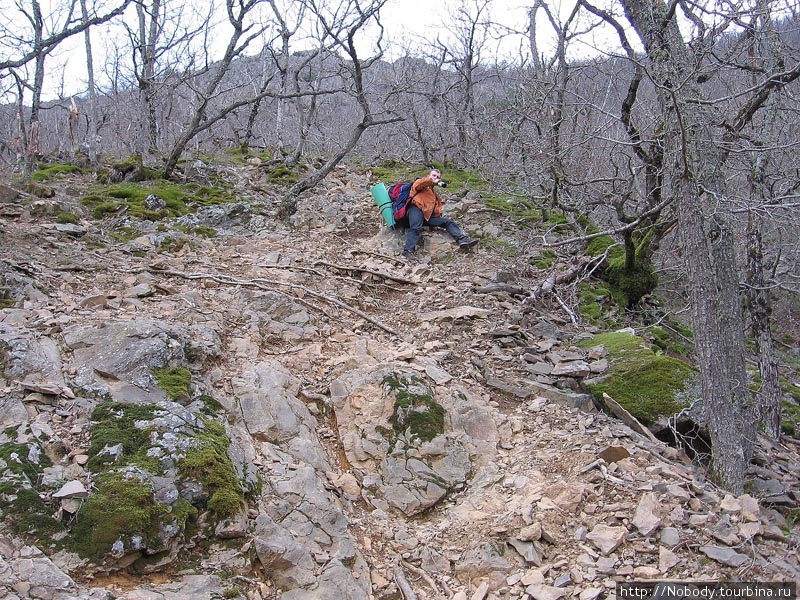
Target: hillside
214,404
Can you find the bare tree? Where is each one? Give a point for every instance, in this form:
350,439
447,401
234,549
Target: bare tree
343,26
163,44
470,29
91,137
33,43
694,158
204,115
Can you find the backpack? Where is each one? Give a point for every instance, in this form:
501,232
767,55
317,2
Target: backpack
400,193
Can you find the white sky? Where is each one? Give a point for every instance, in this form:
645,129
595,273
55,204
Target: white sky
407,23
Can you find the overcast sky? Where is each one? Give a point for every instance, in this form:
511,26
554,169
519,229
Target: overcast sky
407,24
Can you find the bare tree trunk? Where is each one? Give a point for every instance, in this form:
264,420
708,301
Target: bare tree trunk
537,61
759,300
201,120
345,40
704,219
32,141
148,38
307,116
91,134
759,304
289,204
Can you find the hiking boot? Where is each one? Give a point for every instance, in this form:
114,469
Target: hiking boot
467,242
410,256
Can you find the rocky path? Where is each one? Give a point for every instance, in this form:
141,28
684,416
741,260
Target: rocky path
309,337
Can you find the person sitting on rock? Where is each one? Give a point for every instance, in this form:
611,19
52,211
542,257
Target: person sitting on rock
425,208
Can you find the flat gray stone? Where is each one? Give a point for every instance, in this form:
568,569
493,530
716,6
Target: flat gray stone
725,556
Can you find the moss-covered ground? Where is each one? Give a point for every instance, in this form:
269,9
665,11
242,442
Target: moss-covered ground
178,199
647,384
53,171
21,506
208,463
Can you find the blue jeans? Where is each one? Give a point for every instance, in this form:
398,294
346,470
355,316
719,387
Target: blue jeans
416,220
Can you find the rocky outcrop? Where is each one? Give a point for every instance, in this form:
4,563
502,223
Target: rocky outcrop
298,414
409,446
116,360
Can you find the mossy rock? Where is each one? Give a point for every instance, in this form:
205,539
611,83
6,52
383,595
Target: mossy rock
650,386
122,515
415,409
47,172
175,381
132,169
21,506
208,463
284,175
40,191
26,460
544,260
114,424
24,511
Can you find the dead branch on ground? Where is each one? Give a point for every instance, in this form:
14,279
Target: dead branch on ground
269,284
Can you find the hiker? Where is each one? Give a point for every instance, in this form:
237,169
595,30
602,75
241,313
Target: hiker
425,208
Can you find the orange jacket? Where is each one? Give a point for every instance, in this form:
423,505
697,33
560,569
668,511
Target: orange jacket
426,197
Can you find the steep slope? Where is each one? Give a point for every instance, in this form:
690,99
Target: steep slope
294,412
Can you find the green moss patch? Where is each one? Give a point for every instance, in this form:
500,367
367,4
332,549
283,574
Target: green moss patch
628,284
599,245
130,198
648,385
115,424
21,507
672,340
26,513
415,410
283,174
54,171
24,459
66,217
597,303
208,463
175,381
121,510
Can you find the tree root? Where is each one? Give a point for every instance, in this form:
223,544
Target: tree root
271,285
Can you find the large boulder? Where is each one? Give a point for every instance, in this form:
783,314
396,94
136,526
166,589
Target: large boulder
29,358
408,449
117,360
156,468
650,386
